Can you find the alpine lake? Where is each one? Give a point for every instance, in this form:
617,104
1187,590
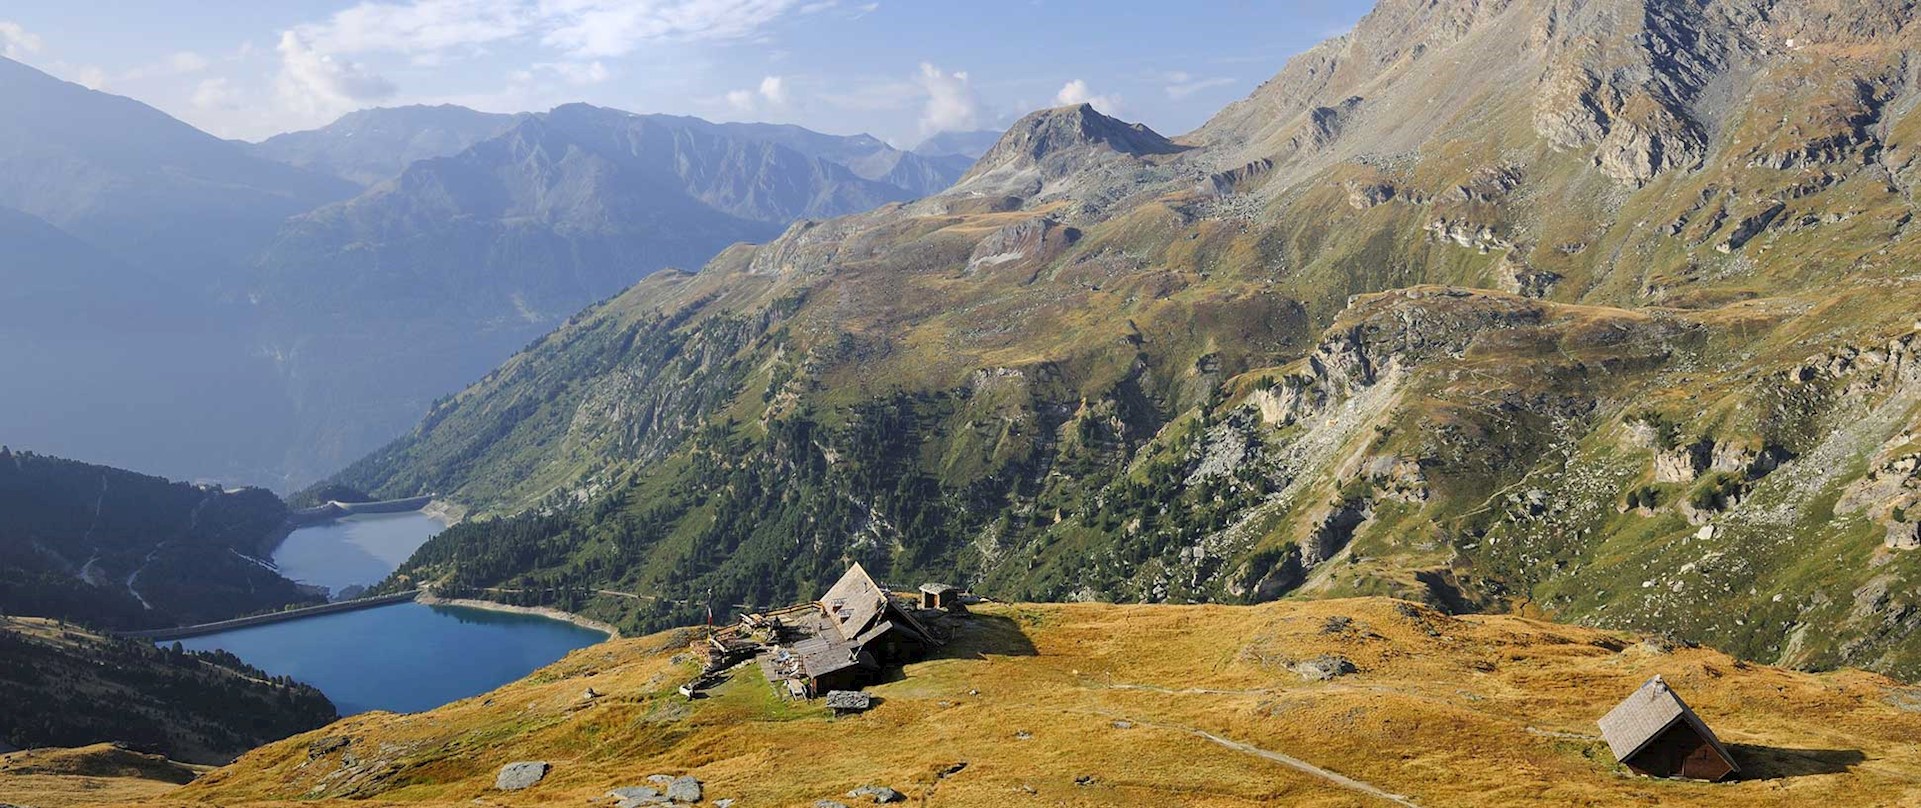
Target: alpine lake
402,657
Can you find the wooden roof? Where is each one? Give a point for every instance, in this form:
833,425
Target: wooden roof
820,656
1648,712
854,602
856,605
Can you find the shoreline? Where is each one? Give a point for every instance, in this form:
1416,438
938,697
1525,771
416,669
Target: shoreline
537,611
444,512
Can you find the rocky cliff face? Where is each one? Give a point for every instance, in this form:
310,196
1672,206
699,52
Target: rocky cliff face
1580,307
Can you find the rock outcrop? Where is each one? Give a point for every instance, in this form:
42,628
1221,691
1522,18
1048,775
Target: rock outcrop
521,775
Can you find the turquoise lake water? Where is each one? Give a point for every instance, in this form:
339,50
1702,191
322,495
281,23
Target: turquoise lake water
406,657
358,550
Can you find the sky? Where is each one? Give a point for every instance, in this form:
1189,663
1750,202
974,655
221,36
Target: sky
896,69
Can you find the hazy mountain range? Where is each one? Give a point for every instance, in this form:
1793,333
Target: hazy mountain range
314,292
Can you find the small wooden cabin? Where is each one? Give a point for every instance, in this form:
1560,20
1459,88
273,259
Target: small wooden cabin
1654,733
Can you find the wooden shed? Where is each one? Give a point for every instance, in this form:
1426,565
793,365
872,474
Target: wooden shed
1654,733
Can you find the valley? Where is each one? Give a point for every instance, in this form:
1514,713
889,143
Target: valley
1493,367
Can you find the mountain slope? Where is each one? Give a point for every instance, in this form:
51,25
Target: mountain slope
1609,320
1089,704
146,187
122,230
372,145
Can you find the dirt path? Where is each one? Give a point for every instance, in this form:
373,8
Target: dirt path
1296,764
1289,761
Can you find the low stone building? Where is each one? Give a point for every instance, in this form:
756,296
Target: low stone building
940,597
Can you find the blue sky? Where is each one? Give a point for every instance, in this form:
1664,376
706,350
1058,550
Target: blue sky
899,70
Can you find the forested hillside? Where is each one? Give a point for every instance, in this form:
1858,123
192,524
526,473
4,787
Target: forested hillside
116,549
1598,310
61,685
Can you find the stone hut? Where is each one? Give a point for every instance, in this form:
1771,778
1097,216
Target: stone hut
940,597
1654,733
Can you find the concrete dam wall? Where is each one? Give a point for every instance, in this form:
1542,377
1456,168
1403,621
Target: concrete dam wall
336,509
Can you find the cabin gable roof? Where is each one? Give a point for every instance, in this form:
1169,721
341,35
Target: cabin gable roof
1648,713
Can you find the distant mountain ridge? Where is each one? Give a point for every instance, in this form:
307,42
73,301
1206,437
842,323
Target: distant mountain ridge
372,145
969,144
425,281
141,184
213,309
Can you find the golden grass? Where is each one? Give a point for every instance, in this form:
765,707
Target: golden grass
1468,711
92,775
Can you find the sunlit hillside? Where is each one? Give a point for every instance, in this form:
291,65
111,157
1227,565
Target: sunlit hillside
1133,705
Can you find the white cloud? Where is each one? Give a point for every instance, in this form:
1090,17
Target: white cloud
420,27
578,73
187,62
582,30
215,94
590,28
319,85
183,63
774,89
91,77
1182,87
1076,92
17,42
770,95
951,103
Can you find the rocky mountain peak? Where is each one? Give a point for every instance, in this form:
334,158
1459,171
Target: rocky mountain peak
1070,142
1049,132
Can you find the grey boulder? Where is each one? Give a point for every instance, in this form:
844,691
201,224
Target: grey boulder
516,776
1324,667
881,794
684,789
636,796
